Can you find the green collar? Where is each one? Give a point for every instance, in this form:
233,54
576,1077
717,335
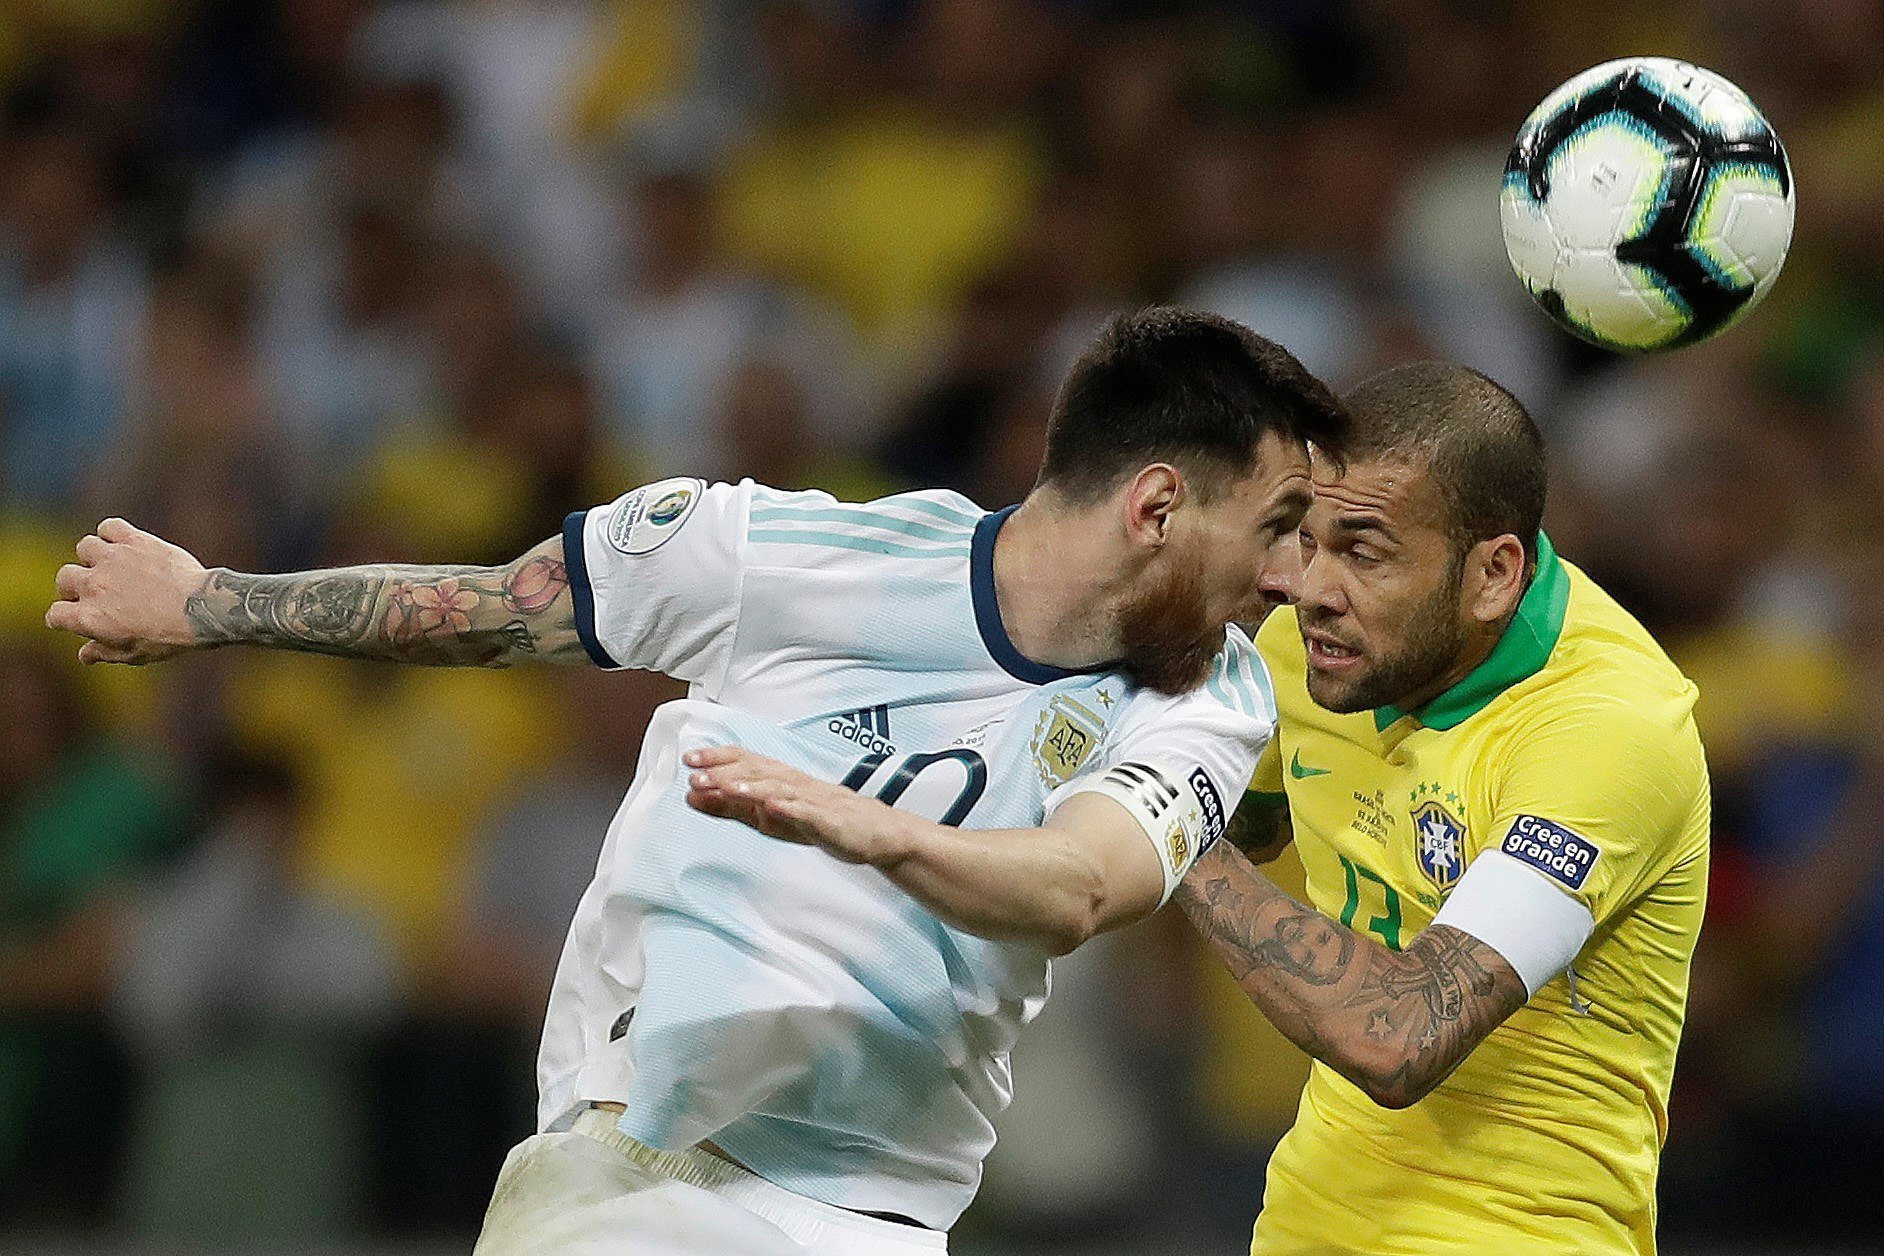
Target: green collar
1521,652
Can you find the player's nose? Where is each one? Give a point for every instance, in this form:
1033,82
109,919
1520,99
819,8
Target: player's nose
1279,581
1316,588
1278,586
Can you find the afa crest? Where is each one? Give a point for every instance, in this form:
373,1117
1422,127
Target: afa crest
1441,843
1177,844
1065,737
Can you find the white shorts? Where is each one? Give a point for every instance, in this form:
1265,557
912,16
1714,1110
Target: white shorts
596,1192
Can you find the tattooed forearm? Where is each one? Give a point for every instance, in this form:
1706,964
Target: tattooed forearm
488,616
1395,1023
318,610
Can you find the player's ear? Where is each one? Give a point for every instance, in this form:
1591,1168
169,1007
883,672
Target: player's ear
1497,569
1150,497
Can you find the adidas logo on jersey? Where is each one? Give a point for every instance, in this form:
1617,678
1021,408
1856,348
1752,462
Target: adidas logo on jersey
868,727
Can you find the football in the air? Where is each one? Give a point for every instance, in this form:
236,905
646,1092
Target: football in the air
1647,204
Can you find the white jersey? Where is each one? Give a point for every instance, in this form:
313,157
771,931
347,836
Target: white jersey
804,1014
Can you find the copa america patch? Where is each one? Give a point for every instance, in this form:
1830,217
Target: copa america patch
643,520
1551,849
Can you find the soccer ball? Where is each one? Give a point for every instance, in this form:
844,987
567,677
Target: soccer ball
1647,204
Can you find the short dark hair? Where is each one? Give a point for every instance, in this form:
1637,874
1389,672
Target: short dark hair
1475,439
1184,387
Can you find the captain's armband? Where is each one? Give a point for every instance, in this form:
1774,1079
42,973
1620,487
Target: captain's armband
1182,813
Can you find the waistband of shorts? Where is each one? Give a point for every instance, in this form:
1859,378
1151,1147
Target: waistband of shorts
800,1217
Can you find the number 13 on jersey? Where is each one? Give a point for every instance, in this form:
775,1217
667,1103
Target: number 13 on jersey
1385,923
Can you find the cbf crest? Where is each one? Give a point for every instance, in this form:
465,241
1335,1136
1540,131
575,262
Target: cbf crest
1067,733
1439,835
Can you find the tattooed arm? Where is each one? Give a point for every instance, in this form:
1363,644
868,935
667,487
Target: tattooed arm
1395,1023
137,598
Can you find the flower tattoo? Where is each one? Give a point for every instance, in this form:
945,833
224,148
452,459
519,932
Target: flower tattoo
430,610
535,584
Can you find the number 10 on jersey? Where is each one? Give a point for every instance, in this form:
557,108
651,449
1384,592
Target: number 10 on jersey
974,768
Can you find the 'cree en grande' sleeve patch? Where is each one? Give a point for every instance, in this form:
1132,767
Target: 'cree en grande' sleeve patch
1551,849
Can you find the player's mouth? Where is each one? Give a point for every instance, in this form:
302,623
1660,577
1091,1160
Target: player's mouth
1327,654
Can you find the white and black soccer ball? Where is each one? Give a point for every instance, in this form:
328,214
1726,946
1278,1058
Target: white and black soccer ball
1647,204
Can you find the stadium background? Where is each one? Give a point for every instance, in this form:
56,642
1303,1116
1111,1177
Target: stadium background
314,281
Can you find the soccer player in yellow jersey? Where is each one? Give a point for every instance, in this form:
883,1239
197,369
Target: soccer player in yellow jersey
1493,780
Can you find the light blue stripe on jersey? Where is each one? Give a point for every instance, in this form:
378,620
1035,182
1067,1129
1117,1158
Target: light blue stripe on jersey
1258,675
857,541
1231,687
936,510
967,516
859,518
1220,691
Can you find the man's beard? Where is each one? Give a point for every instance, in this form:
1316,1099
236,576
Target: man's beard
1434,642
1167,638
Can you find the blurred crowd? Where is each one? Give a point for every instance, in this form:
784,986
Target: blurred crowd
309,282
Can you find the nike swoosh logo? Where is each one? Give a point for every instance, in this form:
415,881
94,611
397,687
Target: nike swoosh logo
1301,773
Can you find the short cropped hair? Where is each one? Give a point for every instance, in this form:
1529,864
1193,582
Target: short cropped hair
1474,438
1184,387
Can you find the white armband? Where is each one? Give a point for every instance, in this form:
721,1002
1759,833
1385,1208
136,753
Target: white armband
1182,815
1520,913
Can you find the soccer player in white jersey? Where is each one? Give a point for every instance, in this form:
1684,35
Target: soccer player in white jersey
753,1048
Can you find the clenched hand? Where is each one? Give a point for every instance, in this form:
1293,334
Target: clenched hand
127,595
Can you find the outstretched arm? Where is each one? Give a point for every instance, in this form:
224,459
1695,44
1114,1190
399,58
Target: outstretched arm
1087,870
1395,1023
137,598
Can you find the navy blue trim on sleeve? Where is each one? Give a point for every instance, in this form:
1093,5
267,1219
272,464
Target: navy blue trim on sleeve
988,610
576,563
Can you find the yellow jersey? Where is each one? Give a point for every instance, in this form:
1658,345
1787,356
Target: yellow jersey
1548,1136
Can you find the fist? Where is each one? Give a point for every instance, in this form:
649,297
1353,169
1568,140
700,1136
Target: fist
127,595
